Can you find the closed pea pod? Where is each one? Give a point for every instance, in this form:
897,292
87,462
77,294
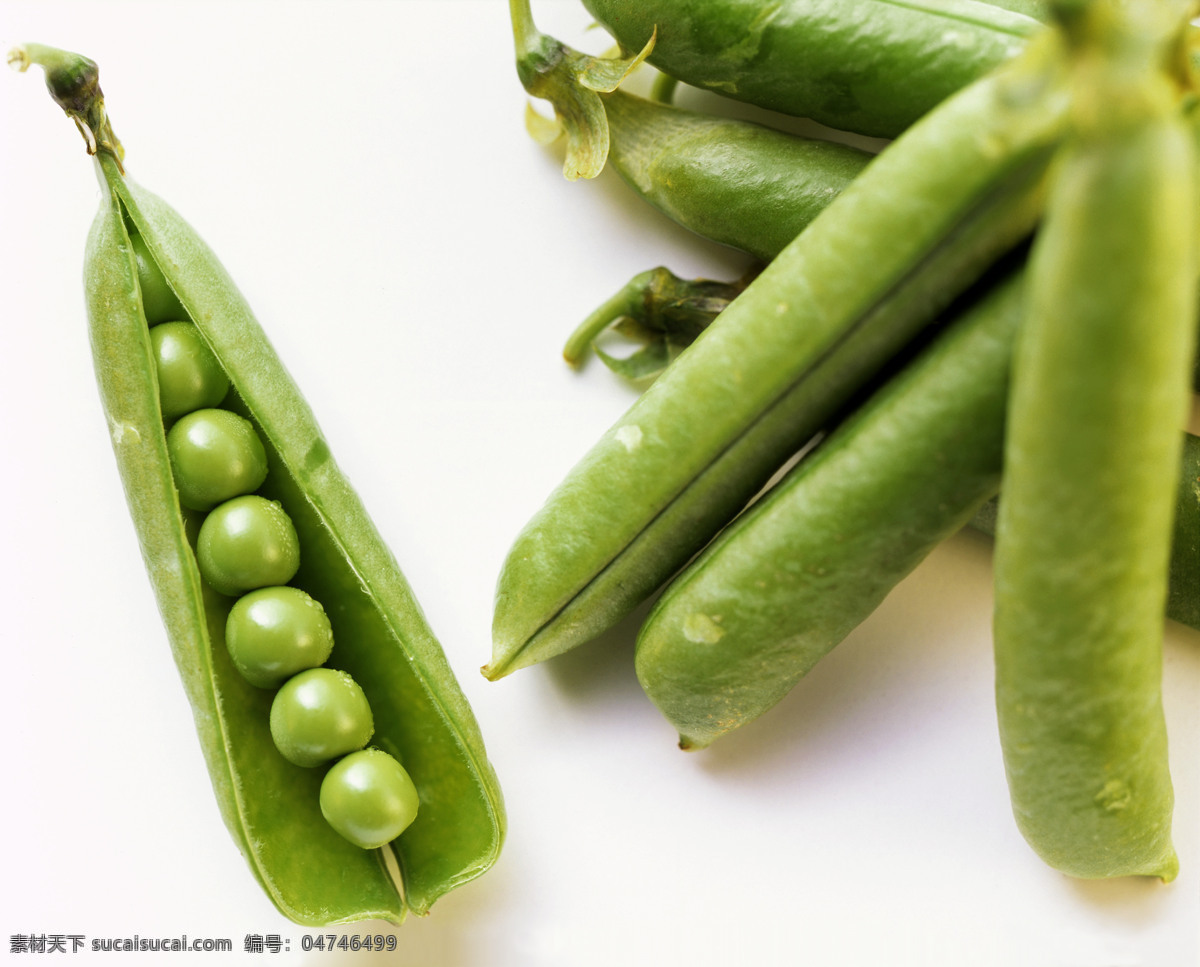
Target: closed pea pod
699,171
868,66
873,269
694,167
1183,592
421,718
672,158
803,566
794,574
735,182
770,187
1100,394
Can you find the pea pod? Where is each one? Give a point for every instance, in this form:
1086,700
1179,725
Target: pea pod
668,313
1183,592
791,577
868,66
691,166
1037,9
925,218
699,170
733,181
1098,395
422,719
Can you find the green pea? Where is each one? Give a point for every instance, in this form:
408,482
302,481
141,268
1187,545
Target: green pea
215,455
318,715
369,798
189,376
247,543
159,301
273,633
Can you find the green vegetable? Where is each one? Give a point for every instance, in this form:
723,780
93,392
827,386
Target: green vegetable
273,633
1099,396
271,807
791,577
215,455
318,715
1183,592
699,170
921,223
369,798
696,169
159,302
189,376
246,543
869,66
1037,9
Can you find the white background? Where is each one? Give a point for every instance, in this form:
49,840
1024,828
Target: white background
363,171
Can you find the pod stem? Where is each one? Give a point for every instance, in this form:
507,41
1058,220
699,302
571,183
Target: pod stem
663,89
572,82
659,309
74,82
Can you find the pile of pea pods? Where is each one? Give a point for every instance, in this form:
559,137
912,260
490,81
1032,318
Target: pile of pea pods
344,757
991,321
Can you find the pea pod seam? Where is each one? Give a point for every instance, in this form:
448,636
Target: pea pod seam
781,359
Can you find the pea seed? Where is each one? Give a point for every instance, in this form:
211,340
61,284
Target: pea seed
159,301
273,633
318,715
215,455
369,798
189,376
246,543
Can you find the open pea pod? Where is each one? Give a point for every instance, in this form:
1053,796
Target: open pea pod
271,807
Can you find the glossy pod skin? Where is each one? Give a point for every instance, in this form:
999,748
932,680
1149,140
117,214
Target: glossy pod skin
1099,395
868,66
802,567
271,807
792,576
735,182
925,218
